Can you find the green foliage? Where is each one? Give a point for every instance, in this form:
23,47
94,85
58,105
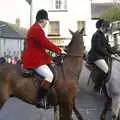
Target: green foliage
112,14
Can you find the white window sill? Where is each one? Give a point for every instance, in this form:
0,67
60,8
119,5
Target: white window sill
58,10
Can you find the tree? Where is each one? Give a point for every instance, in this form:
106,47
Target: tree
112,14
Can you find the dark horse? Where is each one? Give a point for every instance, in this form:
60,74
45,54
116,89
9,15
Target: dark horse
12,83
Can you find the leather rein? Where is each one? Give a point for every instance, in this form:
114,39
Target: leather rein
73,55
116,59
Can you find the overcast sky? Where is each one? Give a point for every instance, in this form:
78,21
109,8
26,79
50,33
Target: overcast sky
103,0
12,9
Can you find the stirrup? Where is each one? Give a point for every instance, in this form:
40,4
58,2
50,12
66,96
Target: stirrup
43,105
47,106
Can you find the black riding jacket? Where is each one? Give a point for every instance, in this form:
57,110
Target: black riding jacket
100,48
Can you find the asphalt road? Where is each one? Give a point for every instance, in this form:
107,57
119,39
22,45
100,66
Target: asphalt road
90,106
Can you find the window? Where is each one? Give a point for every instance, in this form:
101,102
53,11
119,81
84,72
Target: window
80,25
54,28
58,5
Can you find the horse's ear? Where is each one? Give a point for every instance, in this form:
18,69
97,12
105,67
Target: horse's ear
71,31
82,30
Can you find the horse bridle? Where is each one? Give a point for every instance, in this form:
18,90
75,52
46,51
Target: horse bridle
77,54
116,59
74,55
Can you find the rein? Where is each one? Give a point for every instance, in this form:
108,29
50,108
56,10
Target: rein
116,59
74,55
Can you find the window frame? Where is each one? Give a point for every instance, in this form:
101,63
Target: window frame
56,32
62,6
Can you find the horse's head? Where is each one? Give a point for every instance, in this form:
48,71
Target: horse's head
76,45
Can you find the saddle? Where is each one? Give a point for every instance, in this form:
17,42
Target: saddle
51,99
57,61
27,73
91,66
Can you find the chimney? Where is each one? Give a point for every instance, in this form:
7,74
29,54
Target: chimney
17,22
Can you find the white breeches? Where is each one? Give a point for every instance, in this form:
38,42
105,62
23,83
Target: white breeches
101,63
45,71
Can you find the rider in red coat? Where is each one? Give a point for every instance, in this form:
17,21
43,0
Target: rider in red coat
35,56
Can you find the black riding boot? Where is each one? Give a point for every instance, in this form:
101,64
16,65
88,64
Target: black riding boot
100,81
40,103
41,94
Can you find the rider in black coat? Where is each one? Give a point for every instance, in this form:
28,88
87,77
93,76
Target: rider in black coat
100,48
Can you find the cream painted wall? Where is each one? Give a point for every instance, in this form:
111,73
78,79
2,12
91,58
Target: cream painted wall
77,11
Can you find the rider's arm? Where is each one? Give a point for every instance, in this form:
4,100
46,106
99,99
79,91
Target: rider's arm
43,41
97,44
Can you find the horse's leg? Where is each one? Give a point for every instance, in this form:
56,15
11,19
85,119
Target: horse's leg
118,116
5,93
107,105
78,115
65,110
116,108
56,112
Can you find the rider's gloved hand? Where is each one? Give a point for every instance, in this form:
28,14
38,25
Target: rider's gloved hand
116,55
113,55
63,52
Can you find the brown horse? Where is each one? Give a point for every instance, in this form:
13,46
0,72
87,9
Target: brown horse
12,83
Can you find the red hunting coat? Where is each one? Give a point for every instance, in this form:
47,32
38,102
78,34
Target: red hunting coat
35,53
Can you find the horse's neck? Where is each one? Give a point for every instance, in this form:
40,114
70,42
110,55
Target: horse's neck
73,64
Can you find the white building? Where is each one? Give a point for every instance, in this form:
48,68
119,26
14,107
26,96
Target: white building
67,14
11,39
64,15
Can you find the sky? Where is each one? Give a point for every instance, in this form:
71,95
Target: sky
12,9
103,0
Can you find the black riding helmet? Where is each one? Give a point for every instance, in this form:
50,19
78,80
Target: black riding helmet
41,14
102,23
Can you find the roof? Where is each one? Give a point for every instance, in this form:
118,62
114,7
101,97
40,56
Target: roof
11,31
98,8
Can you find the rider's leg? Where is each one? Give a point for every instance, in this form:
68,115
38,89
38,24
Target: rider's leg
102,65
44,71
